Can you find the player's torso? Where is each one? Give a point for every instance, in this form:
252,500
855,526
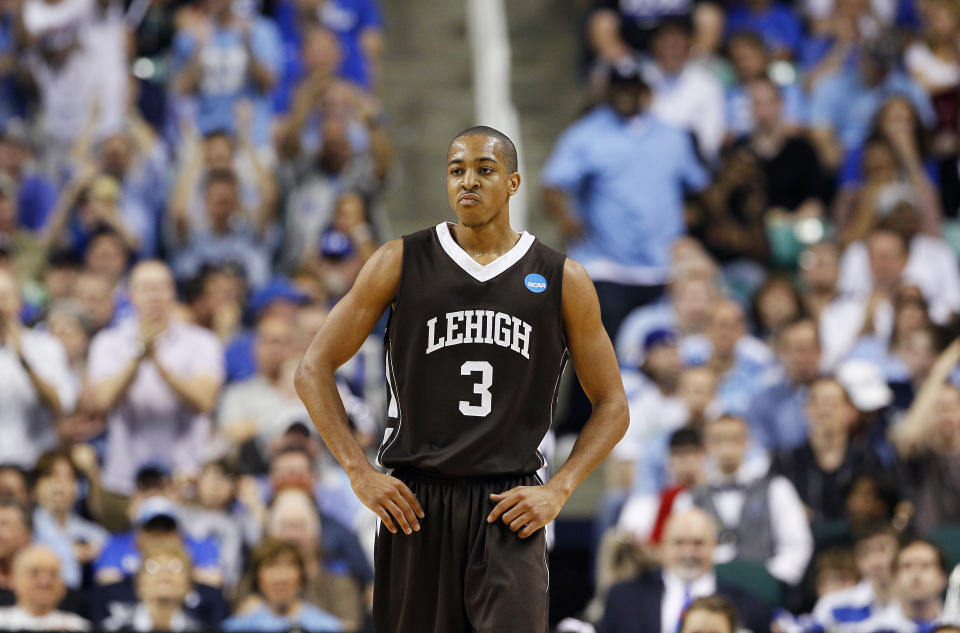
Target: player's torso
474,356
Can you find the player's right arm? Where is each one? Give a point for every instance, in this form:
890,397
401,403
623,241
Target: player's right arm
343,332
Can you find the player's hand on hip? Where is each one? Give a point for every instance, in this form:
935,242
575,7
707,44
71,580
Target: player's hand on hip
390,499
526,509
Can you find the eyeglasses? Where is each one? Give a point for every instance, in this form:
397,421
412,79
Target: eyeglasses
153,566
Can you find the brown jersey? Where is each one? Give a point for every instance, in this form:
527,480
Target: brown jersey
474,355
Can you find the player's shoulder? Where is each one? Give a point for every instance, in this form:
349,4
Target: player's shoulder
575,276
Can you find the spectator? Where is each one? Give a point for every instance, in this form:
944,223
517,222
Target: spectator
696,389
932,60
16,530
230,234
654,602
318,181
293,518
91,203
644,515
75,540
847,609
686,309
825,466
156,519
877,264
775,303
710,613
684,93
750,59
255,411
36,194
776,415
94,293
217,151
163,583
617,29
222,57
277,298
39,589
819,269
159,379
843,103
220,515
279,574
35,379
654,405
761,517
340,516
737,359
77,59
835,570
216,298
895,167
776,23
358,26
610,228
928,438
919,577
65,320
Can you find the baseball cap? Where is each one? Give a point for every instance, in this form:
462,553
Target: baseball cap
277,289
658,337
154,508
865,383
335,244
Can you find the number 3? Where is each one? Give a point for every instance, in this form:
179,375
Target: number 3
482,388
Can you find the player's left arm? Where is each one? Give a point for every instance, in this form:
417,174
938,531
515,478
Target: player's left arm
528,508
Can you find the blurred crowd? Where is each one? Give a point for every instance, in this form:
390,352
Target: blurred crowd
185,190
765,194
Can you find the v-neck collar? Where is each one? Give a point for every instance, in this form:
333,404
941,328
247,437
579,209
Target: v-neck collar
482,272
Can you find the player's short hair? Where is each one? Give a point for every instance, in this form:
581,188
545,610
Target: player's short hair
508,150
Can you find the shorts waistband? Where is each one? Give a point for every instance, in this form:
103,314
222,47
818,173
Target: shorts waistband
418,475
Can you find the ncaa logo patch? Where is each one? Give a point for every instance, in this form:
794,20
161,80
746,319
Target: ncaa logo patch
535,282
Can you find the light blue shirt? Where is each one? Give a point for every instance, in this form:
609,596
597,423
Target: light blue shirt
777,416
628,179
845,104
225,75
310,618
46,531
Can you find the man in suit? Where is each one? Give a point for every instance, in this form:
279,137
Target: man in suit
654,602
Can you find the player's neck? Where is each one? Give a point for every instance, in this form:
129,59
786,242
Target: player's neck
487,242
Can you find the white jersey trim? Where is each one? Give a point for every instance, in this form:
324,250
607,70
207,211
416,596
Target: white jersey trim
482,272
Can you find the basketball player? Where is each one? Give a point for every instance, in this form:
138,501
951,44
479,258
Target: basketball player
481,322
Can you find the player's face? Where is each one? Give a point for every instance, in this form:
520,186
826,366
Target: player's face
478,181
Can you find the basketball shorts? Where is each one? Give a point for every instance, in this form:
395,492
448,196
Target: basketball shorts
460,574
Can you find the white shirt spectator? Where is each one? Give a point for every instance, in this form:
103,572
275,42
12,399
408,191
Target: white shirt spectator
639,514
692,100
651,414
18,619
931,266
150,423
26,425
